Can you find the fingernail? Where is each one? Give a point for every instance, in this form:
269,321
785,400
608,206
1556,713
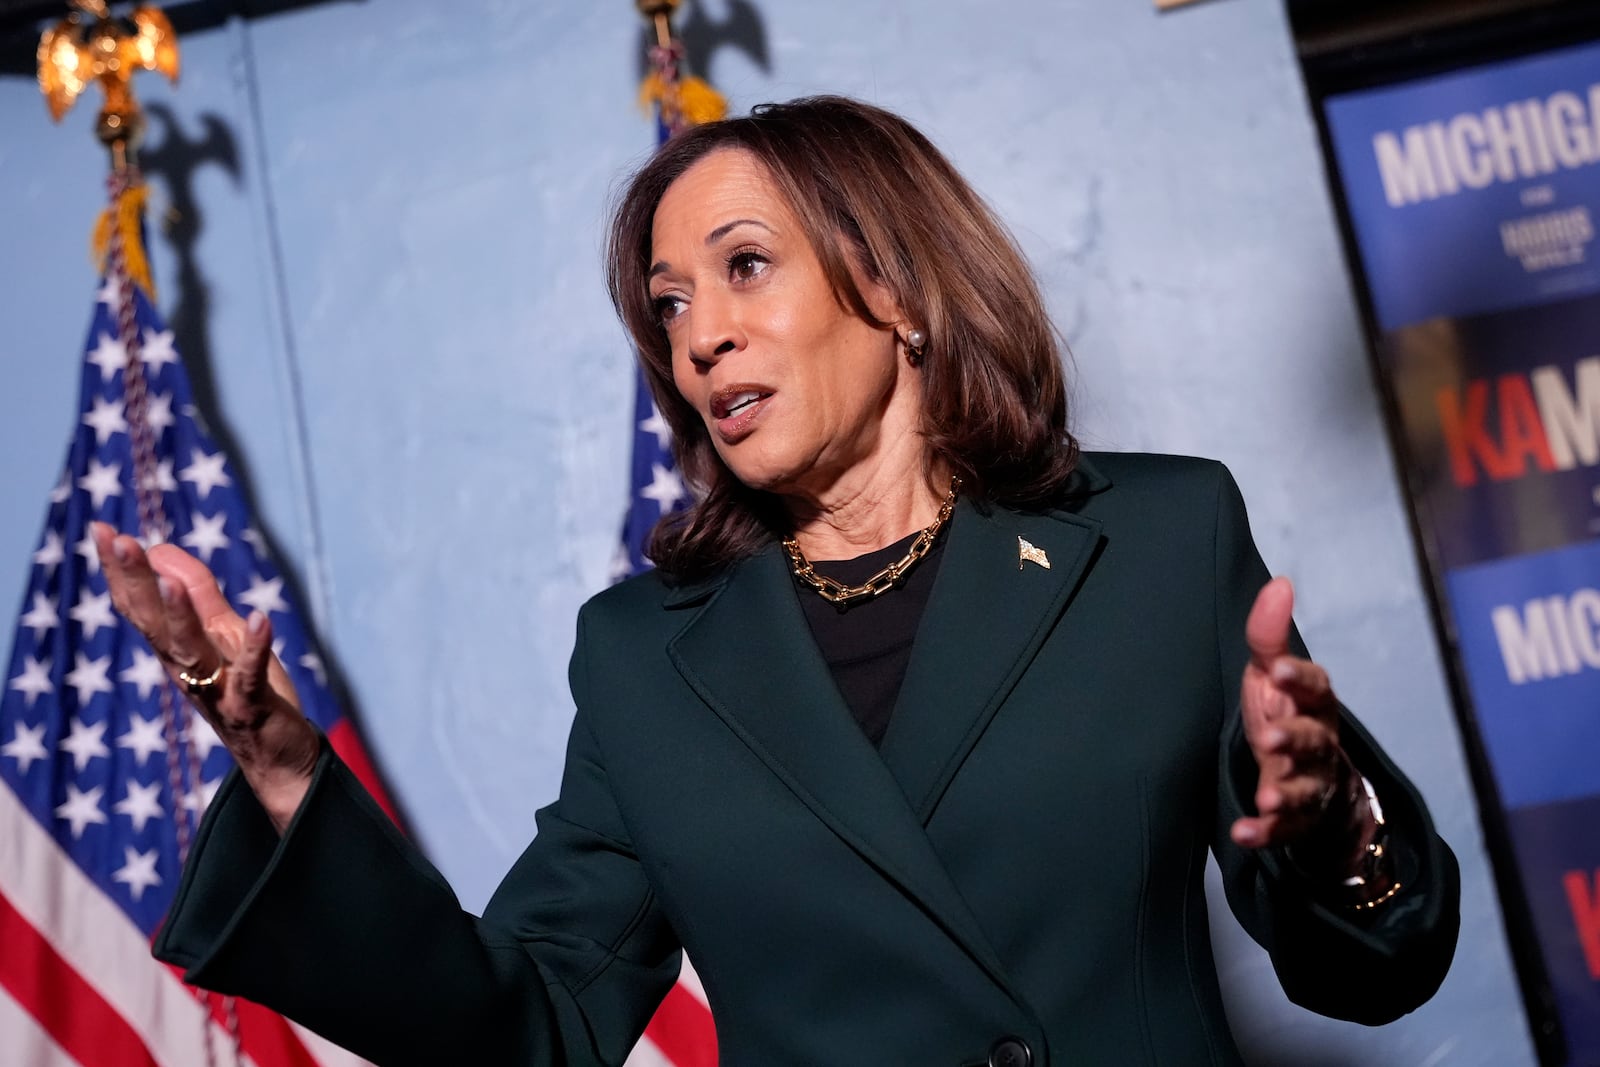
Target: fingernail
1247,835
1282,671
120,549
1275,738
169,592
256,623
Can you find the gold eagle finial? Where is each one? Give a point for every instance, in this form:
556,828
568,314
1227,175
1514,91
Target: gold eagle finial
88,46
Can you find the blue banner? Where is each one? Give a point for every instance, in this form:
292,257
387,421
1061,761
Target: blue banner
1473,199
1475,191
1528,628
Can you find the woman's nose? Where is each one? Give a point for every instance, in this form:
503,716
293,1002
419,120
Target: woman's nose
715,330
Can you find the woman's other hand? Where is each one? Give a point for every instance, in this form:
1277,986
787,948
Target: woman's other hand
173,599
1308,794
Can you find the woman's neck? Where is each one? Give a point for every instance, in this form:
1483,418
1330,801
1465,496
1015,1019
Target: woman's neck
866,510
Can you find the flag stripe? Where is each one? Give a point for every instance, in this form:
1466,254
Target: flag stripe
265,1035
682,1029
645,1054
689,979
327,1053
347,744
66,1007
26,1041
92,936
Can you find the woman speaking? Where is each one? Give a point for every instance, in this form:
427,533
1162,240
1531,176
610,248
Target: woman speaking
915,740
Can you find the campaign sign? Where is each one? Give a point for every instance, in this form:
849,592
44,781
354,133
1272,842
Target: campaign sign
1501,414
1558,852
1473,198
1475,191
1528,629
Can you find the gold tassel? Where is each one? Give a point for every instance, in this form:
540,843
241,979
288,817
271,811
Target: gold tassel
694,99
125,216
700,102
651,92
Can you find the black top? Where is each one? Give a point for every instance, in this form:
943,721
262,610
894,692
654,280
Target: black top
867,644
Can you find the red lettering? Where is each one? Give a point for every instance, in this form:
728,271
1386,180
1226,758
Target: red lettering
1585,916
1521,432
1466,435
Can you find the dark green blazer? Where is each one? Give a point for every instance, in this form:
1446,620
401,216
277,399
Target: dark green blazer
1023,858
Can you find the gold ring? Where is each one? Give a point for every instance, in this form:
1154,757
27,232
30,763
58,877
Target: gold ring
198,686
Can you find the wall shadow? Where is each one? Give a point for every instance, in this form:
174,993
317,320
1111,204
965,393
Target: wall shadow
174,158
741,29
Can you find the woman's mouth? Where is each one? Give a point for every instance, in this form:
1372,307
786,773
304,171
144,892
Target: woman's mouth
736,408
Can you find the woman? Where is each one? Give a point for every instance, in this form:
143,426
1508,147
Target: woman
943,800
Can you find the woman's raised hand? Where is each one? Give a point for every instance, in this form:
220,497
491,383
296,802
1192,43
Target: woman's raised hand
1308,792
173,599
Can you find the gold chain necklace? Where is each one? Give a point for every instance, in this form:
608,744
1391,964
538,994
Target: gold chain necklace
836,592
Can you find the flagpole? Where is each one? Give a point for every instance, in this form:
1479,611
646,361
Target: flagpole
90,46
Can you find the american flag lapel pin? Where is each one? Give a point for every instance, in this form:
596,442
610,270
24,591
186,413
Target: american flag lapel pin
1027,552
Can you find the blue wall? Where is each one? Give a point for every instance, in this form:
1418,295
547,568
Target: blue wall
414,357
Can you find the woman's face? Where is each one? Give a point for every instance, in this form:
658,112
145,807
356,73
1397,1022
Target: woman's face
796,390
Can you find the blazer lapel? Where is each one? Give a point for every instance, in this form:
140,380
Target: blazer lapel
992,606
750,656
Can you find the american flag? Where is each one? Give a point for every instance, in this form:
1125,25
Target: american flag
681,1033
104,770
657,487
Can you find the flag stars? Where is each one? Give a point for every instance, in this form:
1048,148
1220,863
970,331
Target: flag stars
105,419
200,736
665,488
142,804
103,481
156,350
155,534
85,743
207,535
91,555
199,800
138,871
161,478
265,595
110,293
144,738
82,808
25,746
34,679
205,472
51,553
657,425
158,411
145,672
63,490
92,613
110,355
42,617
313,663
88,677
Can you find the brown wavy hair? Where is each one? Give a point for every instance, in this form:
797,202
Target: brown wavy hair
871,191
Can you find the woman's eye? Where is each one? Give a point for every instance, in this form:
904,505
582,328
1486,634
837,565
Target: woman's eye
668,308
743,266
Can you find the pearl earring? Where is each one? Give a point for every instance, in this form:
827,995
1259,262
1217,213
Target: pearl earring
916,342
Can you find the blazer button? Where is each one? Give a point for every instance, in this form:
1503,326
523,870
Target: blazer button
1010,1052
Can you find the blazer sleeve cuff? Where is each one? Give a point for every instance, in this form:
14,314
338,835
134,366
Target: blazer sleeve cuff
1366,965
244,889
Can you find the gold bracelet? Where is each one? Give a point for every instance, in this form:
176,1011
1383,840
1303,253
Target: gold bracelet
1376,863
